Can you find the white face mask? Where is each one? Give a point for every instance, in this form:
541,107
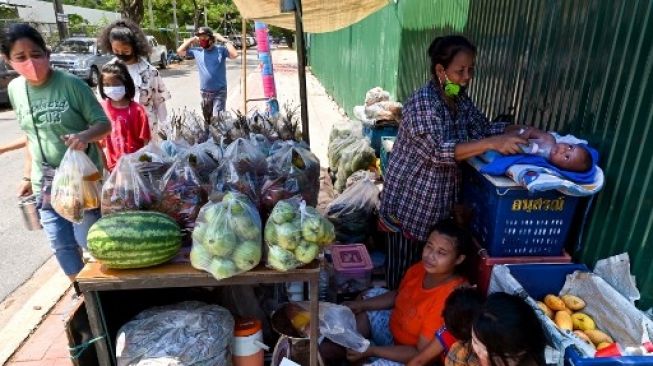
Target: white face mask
116,93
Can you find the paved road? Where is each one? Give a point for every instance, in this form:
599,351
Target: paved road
25,251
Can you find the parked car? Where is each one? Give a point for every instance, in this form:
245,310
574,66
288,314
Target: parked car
81,57
158,54
7,74
238,42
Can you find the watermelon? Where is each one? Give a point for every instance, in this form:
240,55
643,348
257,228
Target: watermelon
134,239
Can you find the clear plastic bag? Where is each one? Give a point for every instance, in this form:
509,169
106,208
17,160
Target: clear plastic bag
358,155
151,162
76,186
292,170
126,190
205,158
294,234
173,149
227,237
188,333
182,195
246,158
353,212
228,178
338,324
261,143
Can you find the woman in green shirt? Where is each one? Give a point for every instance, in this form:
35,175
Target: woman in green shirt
57,111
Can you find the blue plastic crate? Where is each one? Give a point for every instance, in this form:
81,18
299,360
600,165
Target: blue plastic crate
510,221
374,133
385,154
541,279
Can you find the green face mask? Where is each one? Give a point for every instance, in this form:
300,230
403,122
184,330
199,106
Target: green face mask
451,90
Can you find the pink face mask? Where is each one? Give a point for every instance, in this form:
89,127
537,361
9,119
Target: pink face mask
33,69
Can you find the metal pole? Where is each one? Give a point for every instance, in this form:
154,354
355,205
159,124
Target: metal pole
243,42
149,10
301,68
174,19
61,25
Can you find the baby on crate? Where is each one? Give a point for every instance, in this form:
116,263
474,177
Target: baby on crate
564,156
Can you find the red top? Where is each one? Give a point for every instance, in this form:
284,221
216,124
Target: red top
418,311
130,131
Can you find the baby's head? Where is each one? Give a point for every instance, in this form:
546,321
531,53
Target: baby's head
574,158
460,310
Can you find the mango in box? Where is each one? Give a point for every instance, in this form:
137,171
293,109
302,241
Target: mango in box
563,320
582,321
548,312
580,334
597,337
572,302
554,302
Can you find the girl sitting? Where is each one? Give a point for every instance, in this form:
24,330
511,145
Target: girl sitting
130,130
508,333
401,323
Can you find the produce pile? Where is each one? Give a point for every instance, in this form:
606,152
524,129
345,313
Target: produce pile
227,237
566,313
251,173
378,107
294,234
348,152
75,186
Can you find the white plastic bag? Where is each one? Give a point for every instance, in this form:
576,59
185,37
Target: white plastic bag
352,213
76,186
188,333
338,324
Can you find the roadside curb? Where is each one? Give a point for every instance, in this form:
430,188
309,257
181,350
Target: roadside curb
29,305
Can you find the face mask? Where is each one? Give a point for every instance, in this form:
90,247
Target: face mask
125,58
205,43
33,69
451,90
115,93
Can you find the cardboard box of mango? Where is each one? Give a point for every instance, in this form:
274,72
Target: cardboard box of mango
566,313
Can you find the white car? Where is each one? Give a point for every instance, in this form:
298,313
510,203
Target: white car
158,54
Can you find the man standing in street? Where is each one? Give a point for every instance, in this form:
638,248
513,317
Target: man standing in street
211,64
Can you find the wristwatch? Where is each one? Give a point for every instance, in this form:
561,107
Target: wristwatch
26,179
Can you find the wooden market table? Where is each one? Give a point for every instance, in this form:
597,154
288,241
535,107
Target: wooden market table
95,278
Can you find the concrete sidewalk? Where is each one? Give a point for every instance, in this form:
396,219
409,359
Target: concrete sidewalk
47,345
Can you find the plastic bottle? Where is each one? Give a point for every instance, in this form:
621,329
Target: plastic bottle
536,149
295,291
248,343
324,282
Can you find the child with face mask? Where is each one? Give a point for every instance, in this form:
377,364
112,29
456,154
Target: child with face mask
130,129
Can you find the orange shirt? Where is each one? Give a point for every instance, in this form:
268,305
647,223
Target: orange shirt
418,311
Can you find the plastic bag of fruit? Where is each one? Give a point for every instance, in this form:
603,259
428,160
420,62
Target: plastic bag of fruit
227,237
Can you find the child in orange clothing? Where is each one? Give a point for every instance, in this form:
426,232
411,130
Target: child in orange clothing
401,323
453,341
